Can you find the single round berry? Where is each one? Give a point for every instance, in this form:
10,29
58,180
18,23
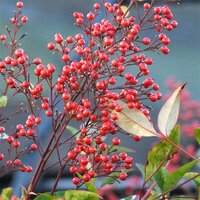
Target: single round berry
90,16
24,19
19,4
75,181
137,138
34,147
86,177
146,41
123,176
1,156
116,141
49,113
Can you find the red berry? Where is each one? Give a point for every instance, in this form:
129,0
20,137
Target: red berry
115,158
90,16
58,38
34,147
146,6
16,143
51,69
75,181
1,156
19,4
45,105
86,177
116,141
17,162
71,155
146,41
19,53
164,50
49,113
165,40
123,176
128,160
174,24
73,169
9,163
155,87
24,19
22,132
19,127
84,161
137,138
10,139
29,169
96,6
2,37
51,46
123,155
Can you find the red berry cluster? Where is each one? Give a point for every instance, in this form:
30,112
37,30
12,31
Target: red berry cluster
112,66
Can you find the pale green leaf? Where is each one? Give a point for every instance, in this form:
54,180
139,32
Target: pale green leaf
133,197
134,121
3,101
80,195
168,114
3,136
72,130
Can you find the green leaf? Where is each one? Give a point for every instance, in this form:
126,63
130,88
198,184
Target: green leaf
7,193
176,176
153,196
151,181
24,191
191,175
197,135
134,121
72,130
141,169
3,136
168,114
3,101
129,198
175,136
88,185
59,194
120,149
91,187
161,153
161,176
111,179
81,195
44,197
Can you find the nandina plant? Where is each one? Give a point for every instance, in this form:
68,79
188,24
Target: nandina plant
103,89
